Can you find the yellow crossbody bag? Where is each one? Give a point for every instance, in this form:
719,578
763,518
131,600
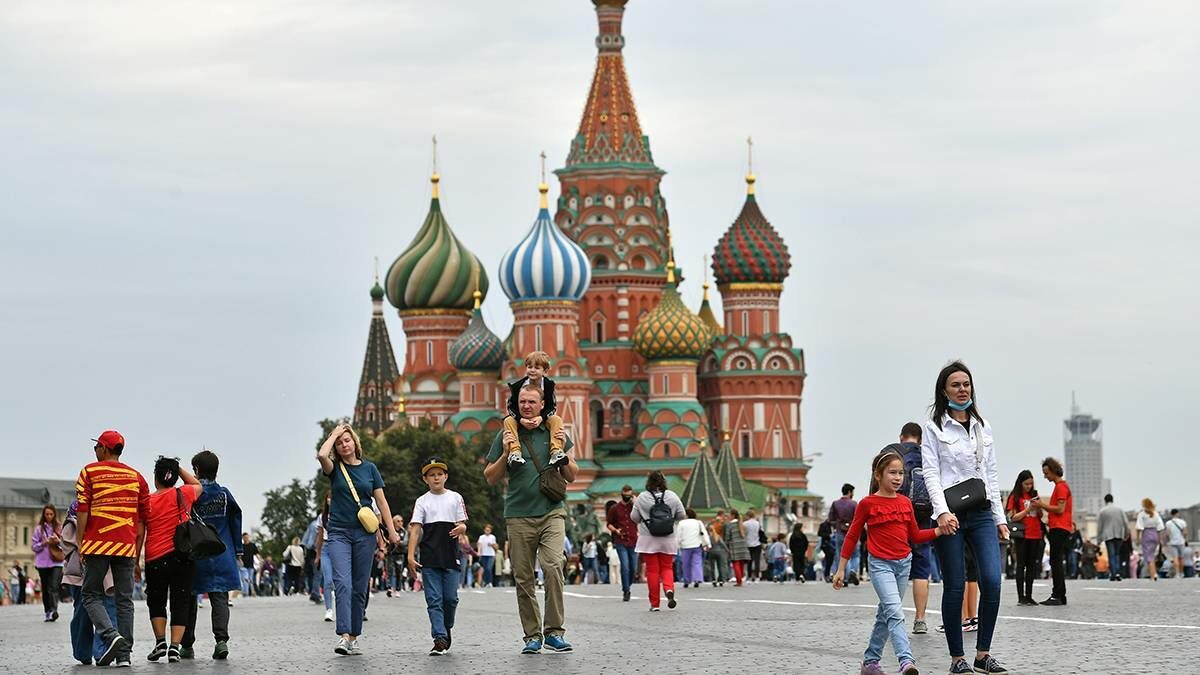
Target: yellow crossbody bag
366,516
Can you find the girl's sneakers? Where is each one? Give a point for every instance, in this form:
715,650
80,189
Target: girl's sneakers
989,666
871,668
971,625
342,647
908,667
671,600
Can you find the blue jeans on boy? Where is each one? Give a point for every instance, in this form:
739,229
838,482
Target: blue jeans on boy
351,552
839,538
489,569
979,528
889,578
779,569
86,645
441,598
628,557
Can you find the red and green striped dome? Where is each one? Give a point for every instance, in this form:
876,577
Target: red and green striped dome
751,251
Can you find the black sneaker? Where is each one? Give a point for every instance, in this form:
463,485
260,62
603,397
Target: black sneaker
439,647
625,596
449,639
960,666
1053,601
173,654
187,652
671,600
852,579
970,625
159,651
990,666
110,652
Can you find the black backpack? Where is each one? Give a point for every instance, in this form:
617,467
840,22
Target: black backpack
662,518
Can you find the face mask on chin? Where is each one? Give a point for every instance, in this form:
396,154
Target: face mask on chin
627,498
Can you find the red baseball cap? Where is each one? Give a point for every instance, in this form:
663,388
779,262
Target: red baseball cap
110,439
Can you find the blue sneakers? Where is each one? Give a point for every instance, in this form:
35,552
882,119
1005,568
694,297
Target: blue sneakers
557,644
533,646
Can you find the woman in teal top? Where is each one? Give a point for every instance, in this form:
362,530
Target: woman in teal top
351,548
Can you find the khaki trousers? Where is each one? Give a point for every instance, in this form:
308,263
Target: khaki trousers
553,424
539,538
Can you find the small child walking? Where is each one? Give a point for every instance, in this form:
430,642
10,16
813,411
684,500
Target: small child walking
439,521
536,365
893,526
777,555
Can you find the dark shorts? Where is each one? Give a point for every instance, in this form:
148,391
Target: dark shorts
920,562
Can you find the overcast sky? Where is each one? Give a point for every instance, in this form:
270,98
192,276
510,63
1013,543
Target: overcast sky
191,196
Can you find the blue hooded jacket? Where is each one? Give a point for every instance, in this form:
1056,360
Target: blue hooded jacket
217,507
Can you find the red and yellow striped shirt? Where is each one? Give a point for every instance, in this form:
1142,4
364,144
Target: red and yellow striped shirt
116,498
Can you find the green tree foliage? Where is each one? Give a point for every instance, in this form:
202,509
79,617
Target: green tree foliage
286,514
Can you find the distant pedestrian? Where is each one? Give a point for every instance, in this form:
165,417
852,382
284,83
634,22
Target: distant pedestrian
624,533
825,548
587,553
1027,539
1059,514
958,452
841,514
798,545
48,557
114,505
777,557
1150,529
249,576
395,559
312,581
293,567
437,528
692,537
488,548
219,575
355,483
325,567
168,572
755,540
1176,543
1112,532
656,510
718,554
734,535
893,525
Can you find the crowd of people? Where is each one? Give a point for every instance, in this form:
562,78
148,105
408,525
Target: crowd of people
933,513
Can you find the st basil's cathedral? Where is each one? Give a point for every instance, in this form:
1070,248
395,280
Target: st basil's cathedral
642,381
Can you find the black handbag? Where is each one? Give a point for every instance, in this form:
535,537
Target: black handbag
970,494
194,538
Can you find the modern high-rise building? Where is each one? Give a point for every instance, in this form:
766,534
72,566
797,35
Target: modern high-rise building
1083,442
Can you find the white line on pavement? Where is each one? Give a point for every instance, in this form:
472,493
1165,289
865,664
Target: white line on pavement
1119,590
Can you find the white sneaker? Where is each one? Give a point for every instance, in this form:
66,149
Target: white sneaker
515,458
329,615
558,457
353,648
342,647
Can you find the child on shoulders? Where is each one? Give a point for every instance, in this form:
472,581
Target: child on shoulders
536,364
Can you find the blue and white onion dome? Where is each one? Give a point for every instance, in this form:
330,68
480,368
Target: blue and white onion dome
546,264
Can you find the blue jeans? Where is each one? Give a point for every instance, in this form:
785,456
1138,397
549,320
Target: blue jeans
441,599
589,565
779,570
327,576
247,577
628,557
86,645
351,552
979,528
889,578
489,569
839,538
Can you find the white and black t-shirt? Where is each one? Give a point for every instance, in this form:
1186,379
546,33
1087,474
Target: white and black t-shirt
438,514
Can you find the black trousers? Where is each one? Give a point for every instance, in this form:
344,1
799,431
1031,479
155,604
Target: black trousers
1058,556
220,618
755,561
51,580
1029,564
170,577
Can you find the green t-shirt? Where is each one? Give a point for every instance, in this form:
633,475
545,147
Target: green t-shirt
523,499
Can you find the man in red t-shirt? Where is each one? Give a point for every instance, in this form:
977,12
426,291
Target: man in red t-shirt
1059,515
114,503
624,533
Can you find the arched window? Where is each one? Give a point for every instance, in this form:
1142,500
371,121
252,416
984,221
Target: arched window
635,409
600,262
598,331
745,322
616,415
597,409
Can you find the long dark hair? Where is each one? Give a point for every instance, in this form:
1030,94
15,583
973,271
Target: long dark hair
656,482
53,515
941,404
1018,492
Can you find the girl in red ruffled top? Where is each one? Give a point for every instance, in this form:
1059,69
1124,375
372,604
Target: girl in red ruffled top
893,527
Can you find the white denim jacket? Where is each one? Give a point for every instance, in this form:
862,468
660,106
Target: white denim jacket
948,457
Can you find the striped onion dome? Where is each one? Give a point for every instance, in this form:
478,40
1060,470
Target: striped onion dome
670,330
436,271
477,348
751,251
546,264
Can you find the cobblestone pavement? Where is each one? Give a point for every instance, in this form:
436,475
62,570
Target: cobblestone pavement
1126,627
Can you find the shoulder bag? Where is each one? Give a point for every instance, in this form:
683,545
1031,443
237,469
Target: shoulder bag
970,494
194,538
366,517
57,554
550,481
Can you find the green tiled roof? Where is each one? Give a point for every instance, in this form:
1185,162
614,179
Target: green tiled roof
608,387
703,490
729,473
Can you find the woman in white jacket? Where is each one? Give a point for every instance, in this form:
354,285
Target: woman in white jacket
957,446
658,548
692,537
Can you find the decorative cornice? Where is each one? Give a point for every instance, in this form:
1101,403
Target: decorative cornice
751,286
434,311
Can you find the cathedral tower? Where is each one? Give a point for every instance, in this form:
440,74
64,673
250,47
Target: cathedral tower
373,408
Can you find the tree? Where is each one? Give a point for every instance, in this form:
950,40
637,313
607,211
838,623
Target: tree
287,513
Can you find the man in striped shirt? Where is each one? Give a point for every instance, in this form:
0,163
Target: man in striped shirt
114,502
